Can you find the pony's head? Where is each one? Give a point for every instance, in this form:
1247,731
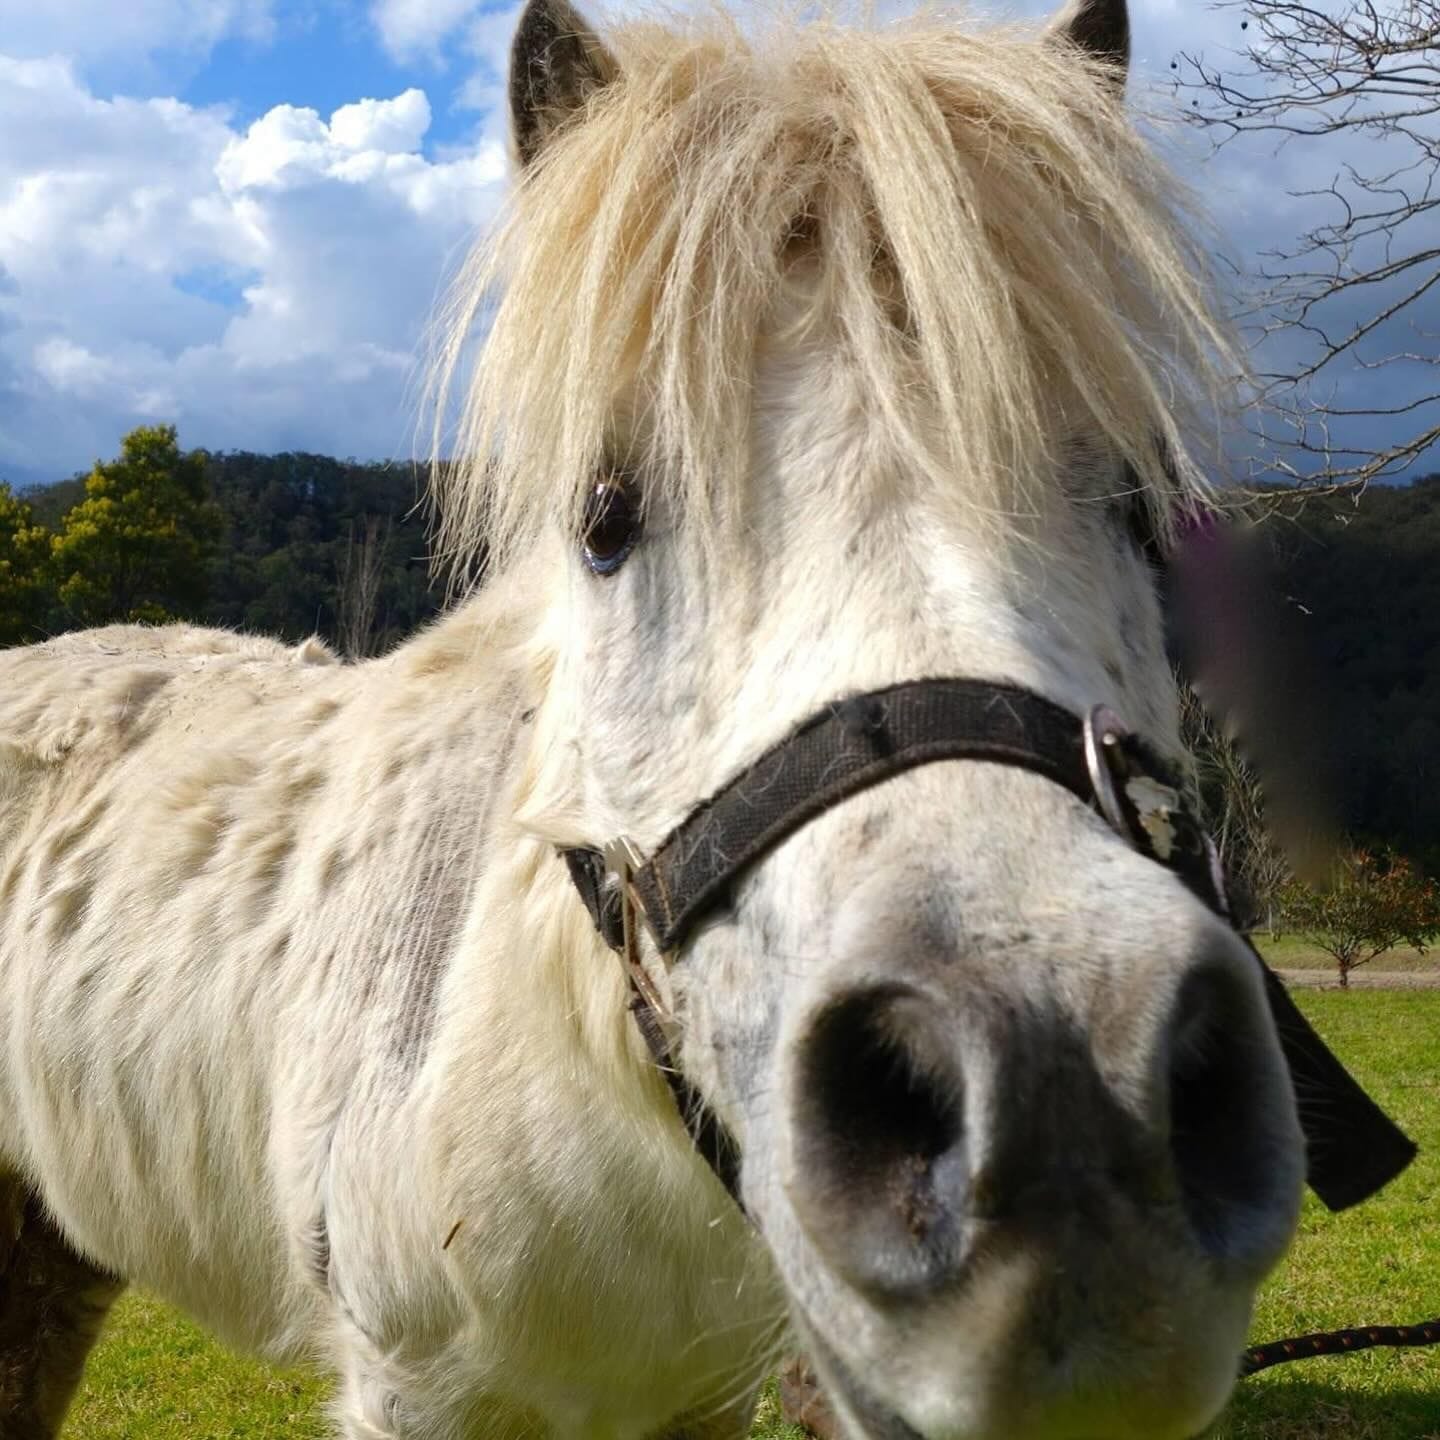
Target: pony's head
821,359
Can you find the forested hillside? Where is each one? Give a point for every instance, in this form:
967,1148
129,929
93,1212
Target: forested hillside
299,544
320,546
1364,580
290,545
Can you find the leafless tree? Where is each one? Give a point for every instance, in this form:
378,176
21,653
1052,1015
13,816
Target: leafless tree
357,597
1356,82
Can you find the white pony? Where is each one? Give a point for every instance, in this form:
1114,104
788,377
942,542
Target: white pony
822,359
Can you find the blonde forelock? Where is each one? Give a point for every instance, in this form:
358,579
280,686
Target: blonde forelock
989,178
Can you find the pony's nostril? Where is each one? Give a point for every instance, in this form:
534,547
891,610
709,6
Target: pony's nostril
1223,1107
879,1156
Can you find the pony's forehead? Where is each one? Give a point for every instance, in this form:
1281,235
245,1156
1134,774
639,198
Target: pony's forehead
990,234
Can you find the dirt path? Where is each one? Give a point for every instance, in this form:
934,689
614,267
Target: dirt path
1363,979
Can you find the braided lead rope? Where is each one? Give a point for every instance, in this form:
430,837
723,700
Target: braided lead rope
1338,1342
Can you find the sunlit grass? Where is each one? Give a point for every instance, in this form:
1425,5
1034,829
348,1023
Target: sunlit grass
1378,1264
155,1376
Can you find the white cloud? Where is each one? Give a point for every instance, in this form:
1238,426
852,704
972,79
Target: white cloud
398,124
418,28
86,31
264,288
487,47
291,146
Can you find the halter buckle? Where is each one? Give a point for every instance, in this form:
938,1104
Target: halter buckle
622,860
1146,811
1141,807
1103,732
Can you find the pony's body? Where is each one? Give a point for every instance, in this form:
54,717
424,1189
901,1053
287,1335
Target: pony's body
326,844
825,363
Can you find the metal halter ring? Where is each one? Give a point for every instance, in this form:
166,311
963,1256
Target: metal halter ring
622,860
1103,732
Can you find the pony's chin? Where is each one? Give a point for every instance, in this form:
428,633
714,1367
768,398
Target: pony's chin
864,1416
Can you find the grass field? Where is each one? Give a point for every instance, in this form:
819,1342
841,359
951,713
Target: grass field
155,1377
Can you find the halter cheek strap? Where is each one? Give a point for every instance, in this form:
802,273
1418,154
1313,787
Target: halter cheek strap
602,882
1352,1147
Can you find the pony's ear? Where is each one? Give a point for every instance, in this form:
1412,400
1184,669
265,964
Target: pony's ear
556,63
1099,27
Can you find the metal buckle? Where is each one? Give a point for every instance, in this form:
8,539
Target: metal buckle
622,860
1104,730
1142,808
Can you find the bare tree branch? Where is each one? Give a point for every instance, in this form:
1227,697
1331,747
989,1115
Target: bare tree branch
358,592
1360,79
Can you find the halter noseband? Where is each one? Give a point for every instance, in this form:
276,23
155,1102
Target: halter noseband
1352,1147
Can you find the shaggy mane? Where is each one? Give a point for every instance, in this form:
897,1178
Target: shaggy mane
992,237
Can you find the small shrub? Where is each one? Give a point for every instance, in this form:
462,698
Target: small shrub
1375,901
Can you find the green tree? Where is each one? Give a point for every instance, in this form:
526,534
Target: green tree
136,547
1374,903
25,593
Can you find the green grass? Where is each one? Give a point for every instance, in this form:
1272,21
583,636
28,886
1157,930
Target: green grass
155,1377
1378,1264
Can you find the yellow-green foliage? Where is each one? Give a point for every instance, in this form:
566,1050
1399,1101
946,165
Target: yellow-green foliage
1372,904
135,547
24,569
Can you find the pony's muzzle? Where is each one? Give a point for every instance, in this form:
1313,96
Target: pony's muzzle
930,1133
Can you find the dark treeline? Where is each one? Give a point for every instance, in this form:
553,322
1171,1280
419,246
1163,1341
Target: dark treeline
316,546
302,544
1362,579
298,545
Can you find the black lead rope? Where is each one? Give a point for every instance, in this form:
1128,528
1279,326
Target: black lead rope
1352,1147
1337,1342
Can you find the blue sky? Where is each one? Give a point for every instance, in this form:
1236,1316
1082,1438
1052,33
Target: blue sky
237,215
325,56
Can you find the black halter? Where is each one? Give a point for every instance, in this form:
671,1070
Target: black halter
1352,1147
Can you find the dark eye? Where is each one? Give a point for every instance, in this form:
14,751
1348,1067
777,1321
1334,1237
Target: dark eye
1141,524
612,525
1139,521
